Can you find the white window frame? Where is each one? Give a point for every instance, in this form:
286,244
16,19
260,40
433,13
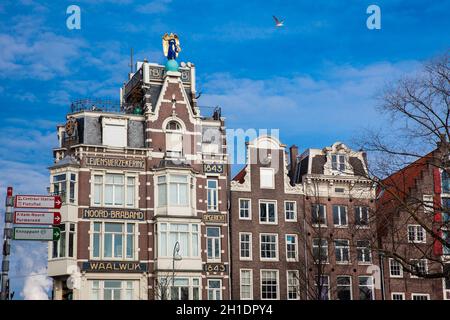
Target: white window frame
214,290
341,250
171,135
350,286
103,184
249,209
124,241
402,294
340,225
427,295
190,286
358,210
191,232
319,246
65,197
216,241
426,267
361,247
250,246
327,286
272,174
325,218
251,284
372,286
276,247
297,285
109,123
391,261
277,272
294,211
338,162
416,227
296,247
101,289
266,202
67,234
212,192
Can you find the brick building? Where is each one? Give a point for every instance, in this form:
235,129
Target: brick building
301,230
413,204
145,194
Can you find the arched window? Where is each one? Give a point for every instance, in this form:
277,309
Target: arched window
173,126
445,182
174,139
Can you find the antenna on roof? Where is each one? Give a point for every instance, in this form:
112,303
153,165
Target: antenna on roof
131,60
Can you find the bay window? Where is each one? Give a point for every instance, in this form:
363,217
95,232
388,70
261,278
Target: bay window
64,185
114,190
173,190
113,241
64,247
114,290
186,234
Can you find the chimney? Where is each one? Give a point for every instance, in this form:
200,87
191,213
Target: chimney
293,153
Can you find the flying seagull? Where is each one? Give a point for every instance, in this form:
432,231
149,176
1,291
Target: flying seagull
278,23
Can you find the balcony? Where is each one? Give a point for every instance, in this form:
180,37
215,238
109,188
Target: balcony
104,105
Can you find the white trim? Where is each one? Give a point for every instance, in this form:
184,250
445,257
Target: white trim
251,284
420,295
416,226
296,247
278,283
275,211
390,270
272,170
250,249
249,208
398,293
277,255
298,284
295,211
351,284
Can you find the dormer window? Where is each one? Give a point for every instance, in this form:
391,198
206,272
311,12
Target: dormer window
174,139
338,162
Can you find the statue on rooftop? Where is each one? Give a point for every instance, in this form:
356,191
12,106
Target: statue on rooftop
171,46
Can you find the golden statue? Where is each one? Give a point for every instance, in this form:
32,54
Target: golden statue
171,46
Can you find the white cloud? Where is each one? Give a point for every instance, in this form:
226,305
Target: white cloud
36,286
155,6
340,101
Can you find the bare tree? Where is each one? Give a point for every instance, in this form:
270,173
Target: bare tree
406,157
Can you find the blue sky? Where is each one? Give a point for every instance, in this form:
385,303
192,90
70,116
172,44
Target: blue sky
314,79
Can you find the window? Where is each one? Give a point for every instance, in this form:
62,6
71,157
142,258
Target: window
340,216
320,250
362,216
114,190
363,251
212,195
428,203
445,182
114,132
113,240
185,289
64,247
446,209
269,284
173,190
397,296
446,246
214,289
64,185
420,296
246,282
269,246
416,234
245,209
322,285
395,269
318,213
292,285
446,281
290,211
342,251
266,178
419,267
291,247
344,287
174,139
213,243
245,243
366,288
338,162
186,234
114,290
267,212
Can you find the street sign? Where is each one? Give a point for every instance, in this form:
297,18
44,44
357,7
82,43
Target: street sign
37,202
38,234
33,217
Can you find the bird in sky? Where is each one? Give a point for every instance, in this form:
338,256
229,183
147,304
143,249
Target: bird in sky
278,23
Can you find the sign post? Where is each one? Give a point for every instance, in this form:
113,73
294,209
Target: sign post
39,218
4,294
36,234
37,202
